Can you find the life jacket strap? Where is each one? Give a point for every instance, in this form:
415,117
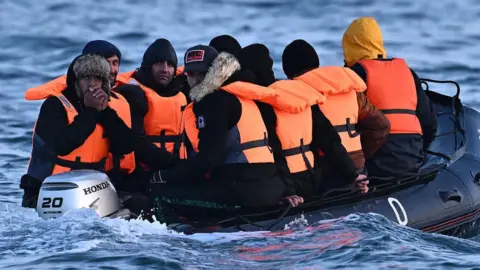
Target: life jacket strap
302,149
347,127
296,150
79,165
162,139
250,145
399,111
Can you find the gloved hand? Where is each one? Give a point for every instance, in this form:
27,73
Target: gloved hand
157,178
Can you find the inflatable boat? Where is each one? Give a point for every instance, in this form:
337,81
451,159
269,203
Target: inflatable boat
443,197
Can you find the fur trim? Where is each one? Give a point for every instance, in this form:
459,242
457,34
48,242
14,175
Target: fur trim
222,68
92,65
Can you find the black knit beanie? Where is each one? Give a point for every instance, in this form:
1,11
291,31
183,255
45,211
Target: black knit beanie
103,48
256,58
226,43
160,50
299,57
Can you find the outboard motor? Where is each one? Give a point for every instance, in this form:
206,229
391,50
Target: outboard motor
78,189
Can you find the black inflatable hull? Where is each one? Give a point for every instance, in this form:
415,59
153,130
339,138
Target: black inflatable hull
443,198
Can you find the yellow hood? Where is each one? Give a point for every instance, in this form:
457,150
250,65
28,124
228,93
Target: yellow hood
362,40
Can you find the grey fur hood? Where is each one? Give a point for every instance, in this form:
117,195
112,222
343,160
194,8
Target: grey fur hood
223,67
93,65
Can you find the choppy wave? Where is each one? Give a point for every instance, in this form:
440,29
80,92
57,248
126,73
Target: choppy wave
38,39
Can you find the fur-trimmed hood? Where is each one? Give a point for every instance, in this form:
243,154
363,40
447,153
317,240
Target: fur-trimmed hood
223,67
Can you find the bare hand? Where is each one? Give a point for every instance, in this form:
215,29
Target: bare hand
361,183
293,200
96,98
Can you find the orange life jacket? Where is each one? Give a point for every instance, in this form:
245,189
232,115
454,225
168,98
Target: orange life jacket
56,86
92,154
163,121
180,70
391,89
191,128
125,163
120,106
340,85
292,107
247,141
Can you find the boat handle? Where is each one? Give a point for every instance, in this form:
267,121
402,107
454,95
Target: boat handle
453,195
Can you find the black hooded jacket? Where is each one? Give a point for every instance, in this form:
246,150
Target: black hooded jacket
62,138
244,183
221,111
146,152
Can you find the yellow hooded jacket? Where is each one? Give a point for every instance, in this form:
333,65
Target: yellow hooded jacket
362,40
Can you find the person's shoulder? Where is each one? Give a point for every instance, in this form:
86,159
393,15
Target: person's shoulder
51,103
359,70
128,88
131,92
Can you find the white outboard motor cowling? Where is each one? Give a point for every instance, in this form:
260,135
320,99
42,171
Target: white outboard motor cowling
77,189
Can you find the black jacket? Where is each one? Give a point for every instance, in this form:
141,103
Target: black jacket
62,138
404,153
220,111
254,184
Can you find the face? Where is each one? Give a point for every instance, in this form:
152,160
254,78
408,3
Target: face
194,78
85,83
114,68
162,72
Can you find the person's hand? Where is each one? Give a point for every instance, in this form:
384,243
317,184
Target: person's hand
96,98
157,178
293,200
361,183
105,99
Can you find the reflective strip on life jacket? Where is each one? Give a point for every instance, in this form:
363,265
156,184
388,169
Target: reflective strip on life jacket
125,163
92,154
163,121
340,85
293,109
391,89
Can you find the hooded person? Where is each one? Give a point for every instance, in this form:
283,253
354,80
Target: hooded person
226,43
396,90
345,107
76,128
296,105
228,135
155,94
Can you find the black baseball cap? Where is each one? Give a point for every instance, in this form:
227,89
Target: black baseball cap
199,58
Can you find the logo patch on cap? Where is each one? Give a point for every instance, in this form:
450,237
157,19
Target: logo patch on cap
194,56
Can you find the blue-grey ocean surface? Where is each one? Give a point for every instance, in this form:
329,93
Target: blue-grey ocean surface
38,39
